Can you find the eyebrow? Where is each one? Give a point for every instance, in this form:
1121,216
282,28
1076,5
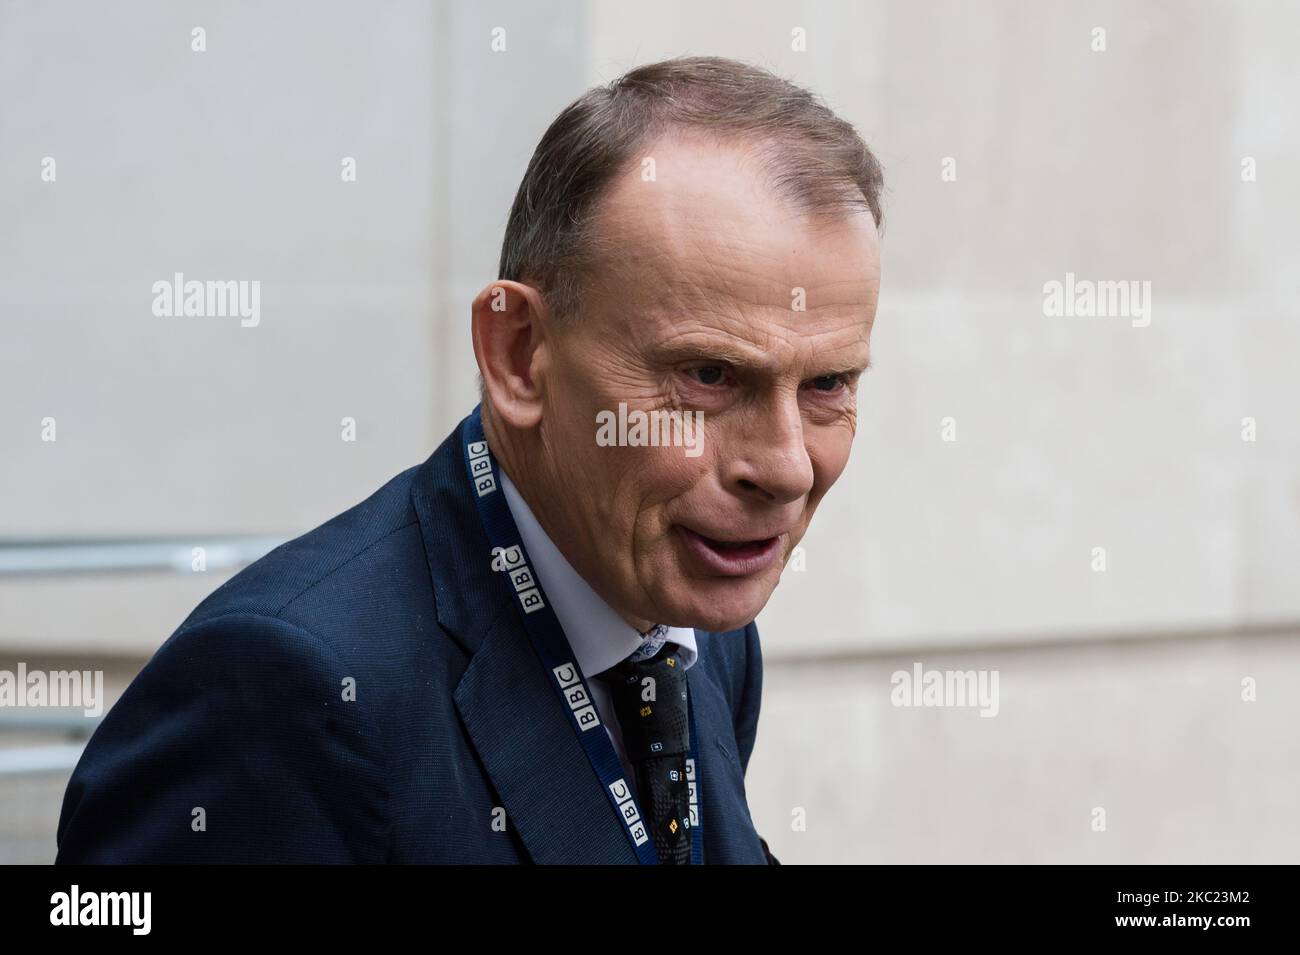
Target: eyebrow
754,360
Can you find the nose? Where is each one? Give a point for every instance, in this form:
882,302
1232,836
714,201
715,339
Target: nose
770,460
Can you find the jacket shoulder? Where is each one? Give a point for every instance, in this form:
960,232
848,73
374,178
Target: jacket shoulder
343,545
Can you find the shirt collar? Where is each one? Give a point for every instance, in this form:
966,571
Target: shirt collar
599,637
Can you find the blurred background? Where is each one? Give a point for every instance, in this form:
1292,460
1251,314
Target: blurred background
998,447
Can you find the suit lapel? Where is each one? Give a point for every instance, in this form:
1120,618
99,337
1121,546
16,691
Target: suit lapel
553,799
552,796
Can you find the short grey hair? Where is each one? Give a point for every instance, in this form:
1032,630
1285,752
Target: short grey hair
813,158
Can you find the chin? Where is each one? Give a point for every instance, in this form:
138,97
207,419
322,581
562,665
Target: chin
718,606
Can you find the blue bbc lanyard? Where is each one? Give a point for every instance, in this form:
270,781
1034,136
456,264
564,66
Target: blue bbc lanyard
552,646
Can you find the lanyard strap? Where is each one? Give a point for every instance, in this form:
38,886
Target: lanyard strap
553,649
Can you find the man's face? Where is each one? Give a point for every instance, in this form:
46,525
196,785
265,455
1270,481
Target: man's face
699,308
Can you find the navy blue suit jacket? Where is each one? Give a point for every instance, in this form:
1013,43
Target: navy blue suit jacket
241,713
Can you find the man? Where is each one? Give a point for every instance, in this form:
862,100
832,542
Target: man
538,646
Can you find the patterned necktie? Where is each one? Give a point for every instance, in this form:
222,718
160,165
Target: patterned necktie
650,699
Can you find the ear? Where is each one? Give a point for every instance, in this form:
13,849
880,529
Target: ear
509,321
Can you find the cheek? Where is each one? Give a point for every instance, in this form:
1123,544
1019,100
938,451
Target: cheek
829,454
659,484
667,475
581,471
627,487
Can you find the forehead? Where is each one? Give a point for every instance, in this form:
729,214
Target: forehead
693,234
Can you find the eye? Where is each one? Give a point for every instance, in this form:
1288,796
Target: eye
707,374
829,384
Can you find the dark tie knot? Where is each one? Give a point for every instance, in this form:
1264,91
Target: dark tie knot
666,668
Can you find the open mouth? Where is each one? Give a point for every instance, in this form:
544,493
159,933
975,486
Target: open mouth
731,558
736,547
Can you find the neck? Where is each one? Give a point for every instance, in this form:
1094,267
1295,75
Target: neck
510,449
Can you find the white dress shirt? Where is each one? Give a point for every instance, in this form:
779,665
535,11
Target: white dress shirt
599,637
